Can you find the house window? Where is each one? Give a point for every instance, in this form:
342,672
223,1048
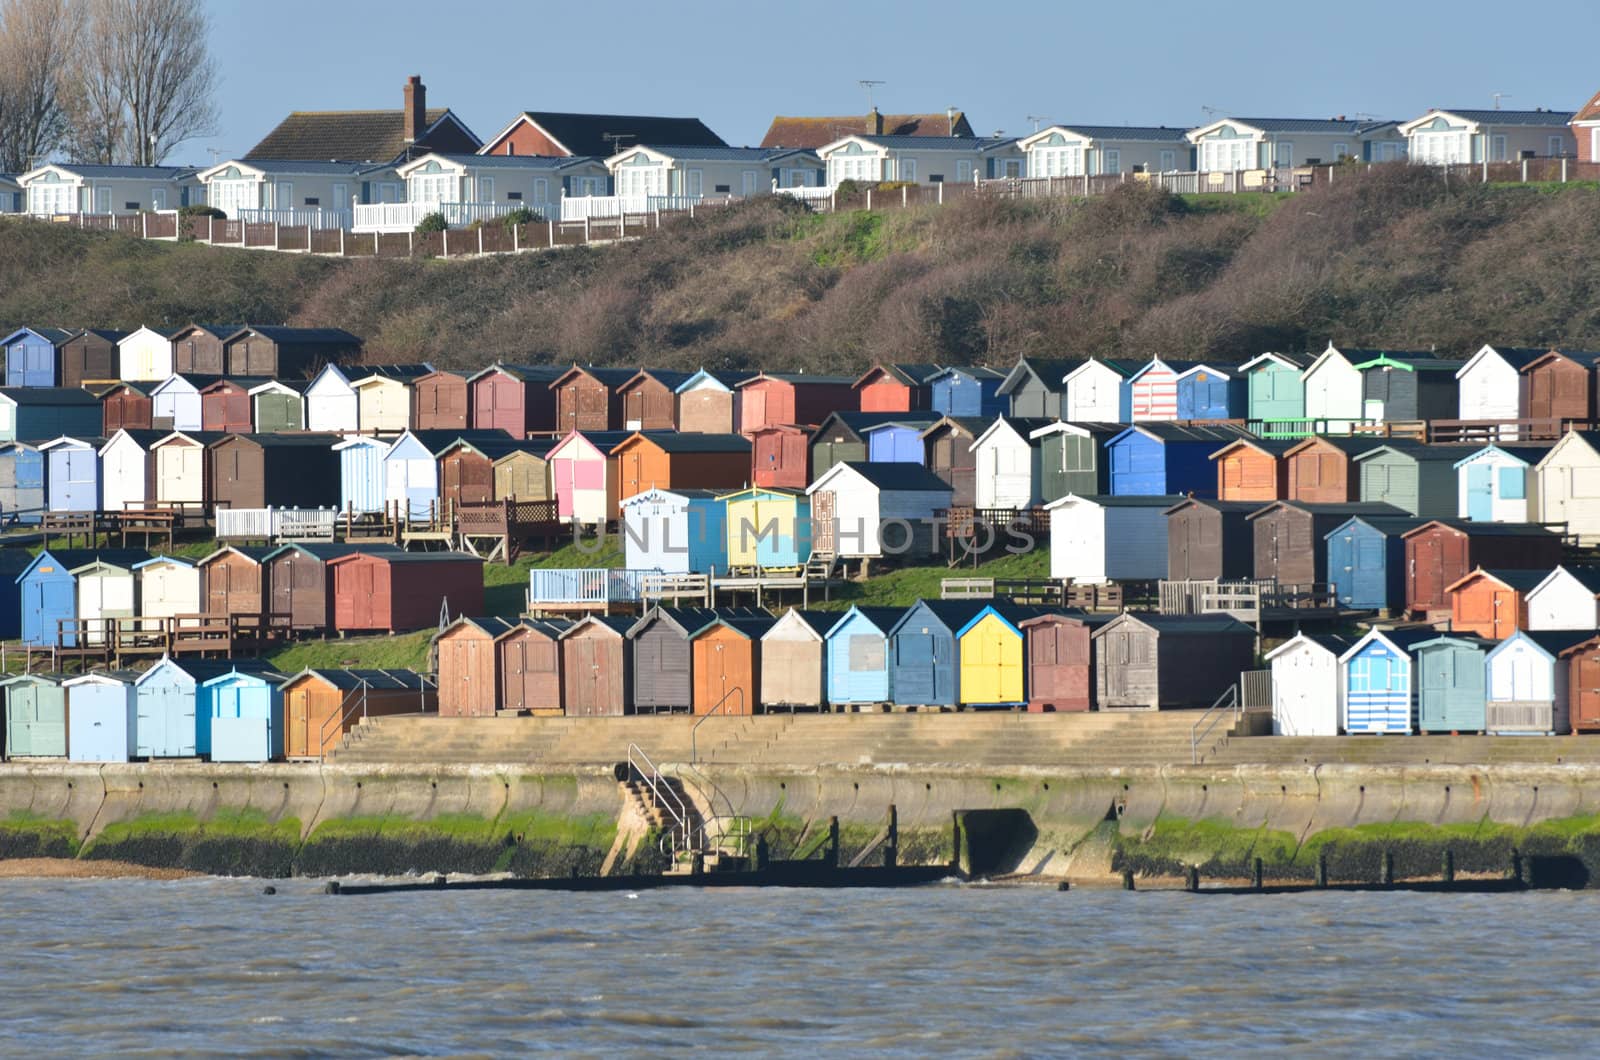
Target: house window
1557,146
964,170
1283,154
1341,152
433,187
514,196
1056,161
313,200
935,178
1448,147
486,189
1113,161
158,198
541,189
133,206
1169,160
750,182
1227,156
853,167
694,185
1011,167
51,198
866,653
1497,147
907,168
722,189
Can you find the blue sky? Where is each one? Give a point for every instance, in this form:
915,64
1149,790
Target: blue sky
736,65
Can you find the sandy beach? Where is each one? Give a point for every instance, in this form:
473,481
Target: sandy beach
71,869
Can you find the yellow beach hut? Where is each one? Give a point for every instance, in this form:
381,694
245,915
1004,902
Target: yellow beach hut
768,527
993,655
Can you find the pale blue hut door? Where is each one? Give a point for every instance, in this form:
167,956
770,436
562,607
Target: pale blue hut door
79,495
1480,493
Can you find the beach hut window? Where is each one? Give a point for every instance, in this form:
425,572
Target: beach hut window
1512,486
866,652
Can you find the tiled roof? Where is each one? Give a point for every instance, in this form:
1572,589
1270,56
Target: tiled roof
940,143
1508,117
603,135
1590,111
348,136
1332,126
899,476
814,132
718,154
1127,132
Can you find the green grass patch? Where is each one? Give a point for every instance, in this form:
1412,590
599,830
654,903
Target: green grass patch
1247,203
407,651
904,586
251,824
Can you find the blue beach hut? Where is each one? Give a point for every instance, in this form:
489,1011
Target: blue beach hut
858,656
72,474
898,441
1164,458
1206,392
100,716
967,392
1380,689
22,496
239,716
411,476
164,716
48,588
1451,694
36,717
33,356
1367,561
361,479
923,665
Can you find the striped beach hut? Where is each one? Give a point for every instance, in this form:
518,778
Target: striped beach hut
1380,689
1153,390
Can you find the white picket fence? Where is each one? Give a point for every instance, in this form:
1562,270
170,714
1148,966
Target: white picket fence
602,207
405,216
276,524
587,585
298,217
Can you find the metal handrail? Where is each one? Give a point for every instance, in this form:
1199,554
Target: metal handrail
737,825
694,752
665,797
1227,703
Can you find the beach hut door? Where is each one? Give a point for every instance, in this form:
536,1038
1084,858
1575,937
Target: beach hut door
1480,493
823,522
1587,698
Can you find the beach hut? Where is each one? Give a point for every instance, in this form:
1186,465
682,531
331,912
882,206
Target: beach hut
72,474
146,355
411,474
36,716
676,531
299,582
1528,691
1289,538
175,403
1582,661
394,591
970,391
1560,385
199,348
233,582
240,717
1401,387
1153,391
858,656
898,441
167,586
181,479
1035,387
439,401
583,478
528,656
89,357
226,406
1206,392
101,713
13,561
383,403
107,590
1252,469
1275,391
659,644
993,657
780,456
1450,683
1492,603
466,468
30,413
1443,551
769,528
1210,540
469,676
841,437
1567,488
33,356
1307,693
1072,458
49,589
330,402
1007,462
794,660
867,511
791,397
587,398
1060,661
707,403
1333,389
274,471
923,668
1096,539
1377,673
1492,484
596,667
1321,470
279,352
1367,562
1097,391
1567,598
127,406
321,706
1489,385
22,481
1419,480
1165,458
522,475
650,400
127,470
669,460
947,452
362,480
514,399
168,721
1156,662
727,660
896,387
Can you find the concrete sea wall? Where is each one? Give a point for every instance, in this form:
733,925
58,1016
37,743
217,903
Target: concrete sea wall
280,820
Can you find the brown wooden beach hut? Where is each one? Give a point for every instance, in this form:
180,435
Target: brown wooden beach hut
1208,539
789,397
277,470
232,581
273,352
126,406
668,460
780,456
947,451
590,398
1252,469
659,644
321,706
1288,537
1442,552
469,676
1154,662
596,667
197,349
299,582
708,402
1322,470
439,401
528,656
650,400
1060,656
394,591
515,399
1560,385
727,658
89,358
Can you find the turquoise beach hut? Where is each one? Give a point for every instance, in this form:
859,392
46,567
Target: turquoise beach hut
1451,694
240,716
36,716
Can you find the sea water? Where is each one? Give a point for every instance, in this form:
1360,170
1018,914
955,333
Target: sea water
216,966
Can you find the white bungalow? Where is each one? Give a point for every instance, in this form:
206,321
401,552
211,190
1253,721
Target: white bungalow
1090,150
1459,137
1493,484
1097,391
920,159
1567,486
1307,694
1568,598
1333,389
468,188
1007,466
175,403
692,173
320,194
876,510
1231,145
1100,539
331,403
145,355
67,188
1490,384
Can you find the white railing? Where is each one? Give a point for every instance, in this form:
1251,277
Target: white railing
809,196
587,585
276,524
602,207
297,217
405,216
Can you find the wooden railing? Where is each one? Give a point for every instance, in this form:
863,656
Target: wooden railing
963,522
1485,432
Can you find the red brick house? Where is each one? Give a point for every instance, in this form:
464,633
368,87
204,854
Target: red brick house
1586,130
554,134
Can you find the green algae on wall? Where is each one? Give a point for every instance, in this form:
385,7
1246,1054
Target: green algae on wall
525,843
227,843
28,835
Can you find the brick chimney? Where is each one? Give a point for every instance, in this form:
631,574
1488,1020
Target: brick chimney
416,108
876,120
